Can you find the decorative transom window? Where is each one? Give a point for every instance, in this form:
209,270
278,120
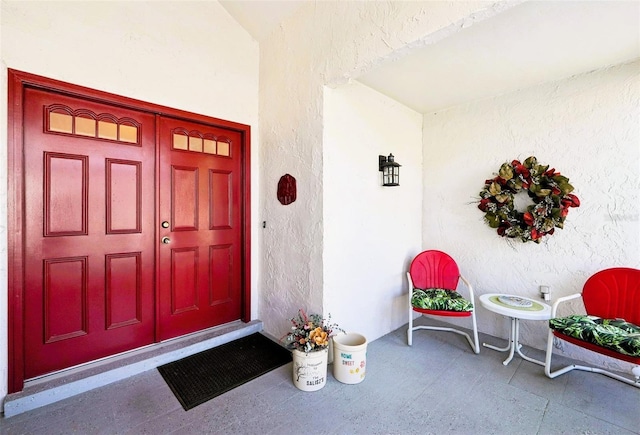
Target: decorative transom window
201,143
85,123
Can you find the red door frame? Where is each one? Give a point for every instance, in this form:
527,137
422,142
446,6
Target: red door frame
18,81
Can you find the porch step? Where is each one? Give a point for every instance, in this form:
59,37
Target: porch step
62,385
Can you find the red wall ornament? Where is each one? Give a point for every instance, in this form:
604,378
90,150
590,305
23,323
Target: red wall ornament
287,189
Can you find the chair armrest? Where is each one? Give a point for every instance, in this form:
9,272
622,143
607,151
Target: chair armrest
410,286
470,287
554,308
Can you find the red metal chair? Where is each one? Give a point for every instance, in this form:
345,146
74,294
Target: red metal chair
436,270
609,294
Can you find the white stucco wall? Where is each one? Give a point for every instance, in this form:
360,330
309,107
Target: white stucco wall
588,128
324,43
187,55
371,232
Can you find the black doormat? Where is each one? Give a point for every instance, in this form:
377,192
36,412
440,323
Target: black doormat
205,375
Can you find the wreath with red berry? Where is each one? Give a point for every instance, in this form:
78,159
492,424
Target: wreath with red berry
549,191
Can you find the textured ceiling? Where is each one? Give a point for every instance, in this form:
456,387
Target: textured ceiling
260,17
531,43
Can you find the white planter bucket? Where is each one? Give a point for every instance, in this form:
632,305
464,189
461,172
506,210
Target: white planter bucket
310,369
349,357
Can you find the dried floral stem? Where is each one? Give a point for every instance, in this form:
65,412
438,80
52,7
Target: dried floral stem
310,332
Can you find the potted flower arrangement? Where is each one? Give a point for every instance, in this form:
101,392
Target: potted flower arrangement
309,341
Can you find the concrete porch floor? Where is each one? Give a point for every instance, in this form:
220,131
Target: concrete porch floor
436,386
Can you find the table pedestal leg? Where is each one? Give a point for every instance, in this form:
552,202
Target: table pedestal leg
510,343
513,345
519,346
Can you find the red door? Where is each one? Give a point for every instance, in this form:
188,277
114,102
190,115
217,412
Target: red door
95,177
200,275
89,230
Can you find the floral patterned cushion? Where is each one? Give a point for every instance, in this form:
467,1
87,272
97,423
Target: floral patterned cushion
439,299
614,334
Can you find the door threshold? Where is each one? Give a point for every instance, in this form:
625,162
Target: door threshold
66,383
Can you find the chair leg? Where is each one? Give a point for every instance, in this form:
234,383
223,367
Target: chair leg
410,328
410,307
473,345
547,367
476,344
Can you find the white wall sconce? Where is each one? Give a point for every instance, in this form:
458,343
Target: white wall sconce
390,170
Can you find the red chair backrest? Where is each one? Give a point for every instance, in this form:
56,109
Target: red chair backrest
434,269
614,294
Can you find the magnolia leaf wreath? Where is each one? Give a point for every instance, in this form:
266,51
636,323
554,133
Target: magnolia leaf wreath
549,191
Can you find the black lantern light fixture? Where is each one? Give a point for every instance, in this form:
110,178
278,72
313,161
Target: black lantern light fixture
390,170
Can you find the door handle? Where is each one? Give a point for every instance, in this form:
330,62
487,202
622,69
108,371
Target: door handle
166,240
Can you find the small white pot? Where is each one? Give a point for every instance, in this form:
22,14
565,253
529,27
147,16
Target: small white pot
349,365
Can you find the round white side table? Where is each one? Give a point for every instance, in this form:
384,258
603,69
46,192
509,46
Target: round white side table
517,308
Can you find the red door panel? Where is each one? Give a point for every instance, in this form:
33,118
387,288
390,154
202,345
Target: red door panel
89,230
201,201
65,298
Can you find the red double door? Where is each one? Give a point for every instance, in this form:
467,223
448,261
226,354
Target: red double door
133,229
